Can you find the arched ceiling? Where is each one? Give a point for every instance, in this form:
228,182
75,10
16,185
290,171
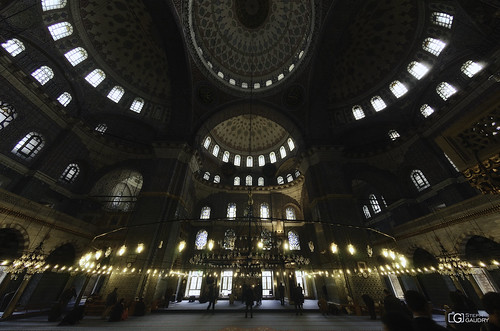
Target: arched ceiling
234,134
121,34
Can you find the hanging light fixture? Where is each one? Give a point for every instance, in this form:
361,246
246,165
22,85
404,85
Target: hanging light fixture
31,263
334,248
122,250
351,249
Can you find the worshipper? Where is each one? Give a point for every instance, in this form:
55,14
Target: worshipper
111,300
491,303
140,308
281,292
117,311
299,300
370,305
422,312
393,304
258,295
67,295
212,296
248,297
73,317
323,306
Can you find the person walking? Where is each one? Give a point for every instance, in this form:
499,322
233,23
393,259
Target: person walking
281,292
111,300
212,296
249,298
299,300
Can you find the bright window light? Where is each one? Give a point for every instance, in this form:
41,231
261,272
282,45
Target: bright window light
282,152
280,180
377,103
272,157
393,134
398,89
29,146
76,56
137,105
471,68
262,160
249,161
236,181
64,99
53,4
206,176
70,173
291,144
445,90
248,180
101,128
215,151
116,93
95,77
260,181
358,113
433,46
426,110
216,179
13,46
207,142
43,74
60,30
225,156
417,69
442,19
237,160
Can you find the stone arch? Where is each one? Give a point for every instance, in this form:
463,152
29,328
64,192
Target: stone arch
63,255
481,248
21,234
423,258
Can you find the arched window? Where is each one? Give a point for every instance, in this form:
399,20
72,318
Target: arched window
293,241
291,144
374,203
280,180
207,142
297,173
29,146
442,19
417,69
433,46
43,74
236,181
137,105
60,30
229,239
398,89
260,181
289,178
225,156
426,110
116,93
7,114
64,99
237,160
366,211
126,190
215,151
231,211
206,176
272,157
282,152
267,239
249,161
419,180
101,128
471,68
377,103
216,179
264,210
201,239
290,214
70,173
53,4
394,135
248,180
205,213
95,77
13,46
76,56
262,160
445,90
358,112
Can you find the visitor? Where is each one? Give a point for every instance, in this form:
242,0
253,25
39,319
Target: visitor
397,321
281,292
248,297
393,304
111,300
140,308
461,305
117,311
370,305
258,295
212,296
66,296
299,300
491,303
422,312
323,306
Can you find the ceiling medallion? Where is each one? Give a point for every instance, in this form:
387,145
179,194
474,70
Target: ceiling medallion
250,45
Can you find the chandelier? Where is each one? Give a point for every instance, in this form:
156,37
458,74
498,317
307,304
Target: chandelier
452,265
31,263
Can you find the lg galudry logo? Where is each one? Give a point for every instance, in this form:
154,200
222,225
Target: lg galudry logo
457,318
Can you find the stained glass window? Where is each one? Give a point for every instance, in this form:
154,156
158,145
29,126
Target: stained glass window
95,77
43,74
433,46
53,4
29,146
201,239
267,239
293,240
442,19
116,93
205,213
229,239
70,173
76,56
13,46
264,210
290,213
426,110
137,105
445,90
419,180
64,99
471,68
231,211
60,30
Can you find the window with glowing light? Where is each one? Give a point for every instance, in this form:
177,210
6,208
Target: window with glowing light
366,211
433,46
445,90
137,105
374,203
267,283
419,180
60,30
249,161
101,128
201,239
426,110
116,93
195,279
14,47
248,180
262,160
7,114
289,178
377,103
358,113
225,156
260,181
207,142
272,157
470,68
237,160
417,69
206,176
300,277
280,180
216,179
229,239
205,213
64,99
53,4
290,214
76,56
236,181
43,74
282,152
442,19
95,77
70,173
264,210
291,144
215,151
398,89
393,135
29,146
293,241
231,211
226,282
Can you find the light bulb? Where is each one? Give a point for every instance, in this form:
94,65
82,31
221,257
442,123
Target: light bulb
122,250
182,244
334,248
351,249
140,248
98,254
210,244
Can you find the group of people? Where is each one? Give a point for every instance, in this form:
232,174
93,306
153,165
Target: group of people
120,310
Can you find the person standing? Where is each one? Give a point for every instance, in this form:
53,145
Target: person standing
370,305
258,294
212,296
66,296
281,292
249,298
111,300
422,312
299,300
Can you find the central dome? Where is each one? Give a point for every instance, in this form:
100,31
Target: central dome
250,45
